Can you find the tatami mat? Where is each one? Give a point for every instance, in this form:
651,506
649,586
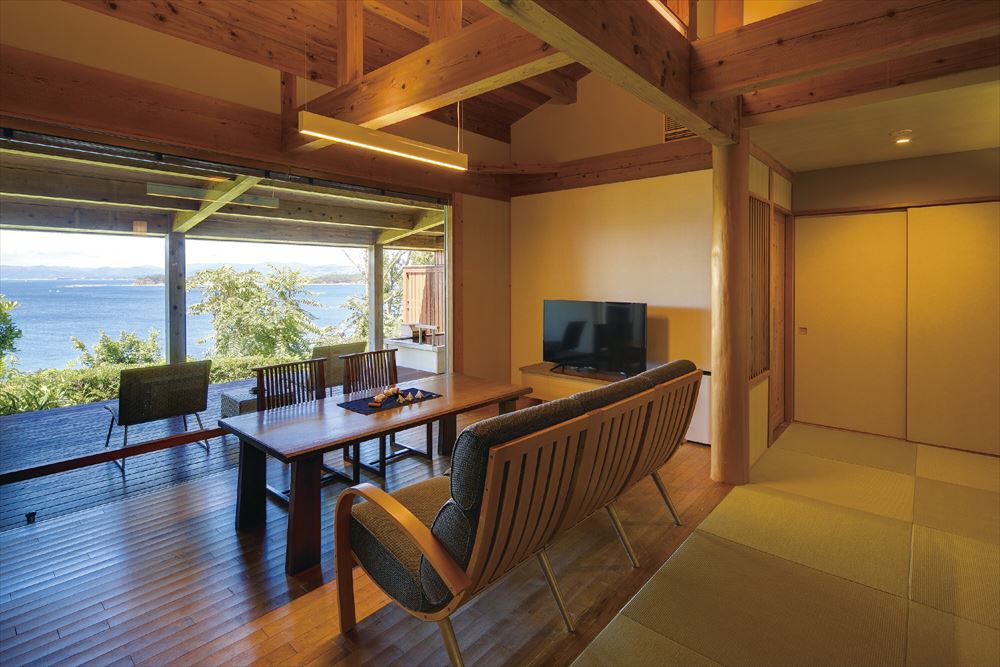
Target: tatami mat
859,546
875,451
953,508
936,639
846,484
626,642
956,574
947,465
740,606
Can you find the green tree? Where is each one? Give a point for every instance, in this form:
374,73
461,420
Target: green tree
128,349
355,325
255,314
9,334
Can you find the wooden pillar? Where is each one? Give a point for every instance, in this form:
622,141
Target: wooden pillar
376,303
455,239
176,298
730,404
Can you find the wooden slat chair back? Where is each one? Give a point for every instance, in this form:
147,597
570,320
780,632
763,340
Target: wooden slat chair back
369,370
609,455
669,421
287,384
527,492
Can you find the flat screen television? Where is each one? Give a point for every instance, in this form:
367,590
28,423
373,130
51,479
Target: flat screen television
606,336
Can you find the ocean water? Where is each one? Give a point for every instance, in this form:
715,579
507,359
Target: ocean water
51,311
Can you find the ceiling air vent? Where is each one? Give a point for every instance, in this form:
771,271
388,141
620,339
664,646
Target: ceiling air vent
673,131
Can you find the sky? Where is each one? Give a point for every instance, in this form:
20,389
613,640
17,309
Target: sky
24,248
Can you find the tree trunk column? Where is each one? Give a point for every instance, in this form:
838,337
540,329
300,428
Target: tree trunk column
730,404
376,305
176,299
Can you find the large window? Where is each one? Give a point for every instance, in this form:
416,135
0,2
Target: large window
75,305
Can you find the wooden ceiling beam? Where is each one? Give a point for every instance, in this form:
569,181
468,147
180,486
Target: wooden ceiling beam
219,195
444,18
628,42
978,55
410,15
558,87
32,185
482,57
126,111
284,42
422,223
55,217
350,41
831,36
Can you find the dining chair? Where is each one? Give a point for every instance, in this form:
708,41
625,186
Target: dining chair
374,371
293,383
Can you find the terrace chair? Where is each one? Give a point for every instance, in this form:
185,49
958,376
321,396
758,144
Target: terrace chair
152,393
334,364
373,371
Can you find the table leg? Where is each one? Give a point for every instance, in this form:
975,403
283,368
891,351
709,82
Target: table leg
508,406
447,432
251,498
303,548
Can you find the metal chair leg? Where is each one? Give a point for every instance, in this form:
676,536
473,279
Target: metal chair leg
616,522
201,427
121,463
107,440
550,579
450,642
666,498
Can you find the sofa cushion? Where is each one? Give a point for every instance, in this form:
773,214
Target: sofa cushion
391,559
472,449
668,372
611,393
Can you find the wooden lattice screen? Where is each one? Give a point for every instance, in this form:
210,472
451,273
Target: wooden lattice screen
760,283
425,295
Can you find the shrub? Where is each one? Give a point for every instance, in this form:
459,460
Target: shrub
54,388
128,349
9,333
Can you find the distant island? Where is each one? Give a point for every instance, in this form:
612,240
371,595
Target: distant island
324,279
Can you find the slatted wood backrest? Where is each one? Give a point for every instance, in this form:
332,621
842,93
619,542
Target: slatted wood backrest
286,384
369,370
528,483
668,423
609,455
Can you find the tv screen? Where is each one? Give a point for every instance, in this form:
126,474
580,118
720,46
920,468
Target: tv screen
599,335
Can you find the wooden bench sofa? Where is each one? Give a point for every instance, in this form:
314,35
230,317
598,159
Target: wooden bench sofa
518,481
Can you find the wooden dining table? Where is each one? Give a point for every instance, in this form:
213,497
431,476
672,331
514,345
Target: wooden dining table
301,434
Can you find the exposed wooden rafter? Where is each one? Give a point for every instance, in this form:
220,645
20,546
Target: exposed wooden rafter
831,36
444,18
895,75
218,196
482,57
424,222
350,41
629,43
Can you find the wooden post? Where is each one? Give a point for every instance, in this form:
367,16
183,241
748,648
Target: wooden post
176,298
456,291
376,303
730,404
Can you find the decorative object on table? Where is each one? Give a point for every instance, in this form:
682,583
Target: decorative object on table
389,399
152,393
376,371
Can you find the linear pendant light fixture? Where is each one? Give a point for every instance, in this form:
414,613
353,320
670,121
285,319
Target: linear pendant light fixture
342,132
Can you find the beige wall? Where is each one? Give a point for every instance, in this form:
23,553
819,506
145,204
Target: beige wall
605,119
646,241
929,179
486,288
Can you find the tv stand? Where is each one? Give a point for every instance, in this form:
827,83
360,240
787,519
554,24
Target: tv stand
587,373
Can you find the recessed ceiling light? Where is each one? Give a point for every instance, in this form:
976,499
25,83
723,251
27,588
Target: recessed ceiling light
902,137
